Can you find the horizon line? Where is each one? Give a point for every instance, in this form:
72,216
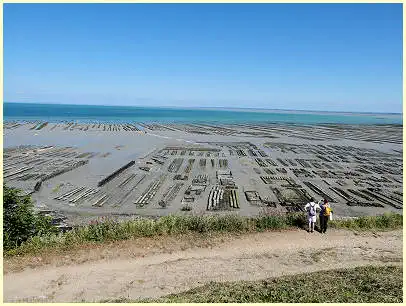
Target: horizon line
206,107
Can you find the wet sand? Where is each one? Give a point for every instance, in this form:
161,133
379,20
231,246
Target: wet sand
358,167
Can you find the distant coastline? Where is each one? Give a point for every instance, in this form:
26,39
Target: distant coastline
222,108
22,111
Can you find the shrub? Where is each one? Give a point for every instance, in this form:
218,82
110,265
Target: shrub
19,220
106,229
270,222
296,220
382,222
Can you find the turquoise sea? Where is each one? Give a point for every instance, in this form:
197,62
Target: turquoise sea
93,113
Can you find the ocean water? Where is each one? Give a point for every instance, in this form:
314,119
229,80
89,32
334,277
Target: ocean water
93,113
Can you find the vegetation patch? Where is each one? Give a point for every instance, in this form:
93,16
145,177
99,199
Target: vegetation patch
370,284
25,232
20,223
388,221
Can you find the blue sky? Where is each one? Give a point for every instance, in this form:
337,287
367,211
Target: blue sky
330,57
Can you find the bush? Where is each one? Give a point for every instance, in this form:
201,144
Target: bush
19,220
110,230
270,222
382,222
297,220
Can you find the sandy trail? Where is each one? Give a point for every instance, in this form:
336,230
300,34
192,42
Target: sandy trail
250,257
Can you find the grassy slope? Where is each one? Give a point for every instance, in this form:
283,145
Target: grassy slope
108,231
357,285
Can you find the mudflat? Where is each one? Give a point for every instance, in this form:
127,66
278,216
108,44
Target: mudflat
80,171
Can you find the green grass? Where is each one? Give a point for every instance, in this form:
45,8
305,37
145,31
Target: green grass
387,221
107,230
370,284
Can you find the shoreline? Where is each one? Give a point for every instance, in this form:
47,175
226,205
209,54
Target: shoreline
219,108
186,115
179,122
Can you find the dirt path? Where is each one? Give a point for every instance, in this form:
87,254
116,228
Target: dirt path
250,257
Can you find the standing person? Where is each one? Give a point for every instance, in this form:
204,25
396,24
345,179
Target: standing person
325,212
311,209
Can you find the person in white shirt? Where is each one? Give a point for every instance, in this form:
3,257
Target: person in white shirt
312,209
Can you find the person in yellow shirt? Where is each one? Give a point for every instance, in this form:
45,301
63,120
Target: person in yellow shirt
325,212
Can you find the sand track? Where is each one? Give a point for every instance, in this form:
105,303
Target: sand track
250,257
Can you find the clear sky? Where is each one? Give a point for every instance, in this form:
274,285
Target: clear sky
330,57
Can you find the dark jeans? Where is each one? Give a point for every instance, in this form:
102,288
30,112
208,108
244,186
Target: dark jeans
323,223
